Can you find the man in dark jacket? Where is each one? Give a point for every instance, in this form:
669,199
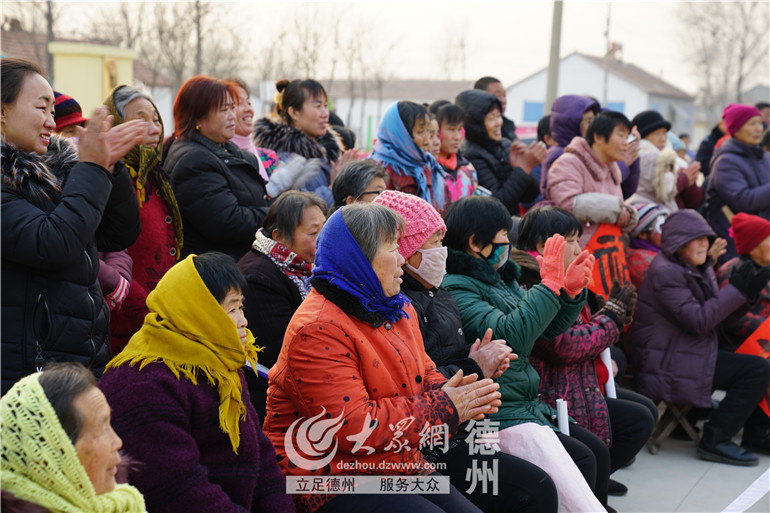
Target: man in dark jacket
675,343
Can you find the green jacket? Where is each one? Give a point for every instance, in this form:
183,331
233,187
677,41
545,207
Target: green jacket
488,299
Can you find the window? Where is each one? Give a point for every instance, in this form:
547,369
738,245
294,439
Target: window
533,111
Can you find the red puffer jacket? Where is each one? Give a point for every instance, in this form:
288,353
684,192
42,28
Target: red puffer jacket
364,377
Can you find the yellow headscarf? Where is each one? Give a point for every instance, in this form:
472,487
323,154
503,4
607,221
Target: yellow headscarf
189,331
143,163
39,463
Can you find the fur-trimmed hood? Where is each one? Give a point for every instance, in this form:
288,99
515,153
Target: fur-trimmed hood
460,262
38,178
282,138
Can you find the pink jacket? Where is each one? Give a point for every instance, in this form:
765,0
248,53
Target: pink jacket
579,171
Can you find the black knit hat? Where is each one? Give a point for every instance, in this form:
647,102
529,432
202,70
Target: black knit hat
649,121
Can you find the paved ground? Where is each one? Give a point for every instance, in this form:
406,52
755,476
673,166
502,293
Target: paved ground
675,480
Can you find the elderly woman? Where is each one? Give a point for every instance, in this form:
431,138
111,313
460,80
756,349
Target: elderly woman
58,205
361,180
484,284
740,174
157,248
180,402
220,193
675,354
60,452
353,352
303,129
277,269
525,487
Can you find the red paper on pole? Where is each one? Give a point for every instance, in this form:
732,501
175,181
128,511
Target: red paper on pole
607,246
758,344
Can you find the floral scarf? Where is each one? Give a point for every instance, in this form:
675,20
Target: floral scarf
290,264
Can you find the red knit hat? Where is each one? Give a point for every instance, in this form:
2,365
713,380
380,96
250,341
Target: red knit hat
736,115
422,220
66,111
749,231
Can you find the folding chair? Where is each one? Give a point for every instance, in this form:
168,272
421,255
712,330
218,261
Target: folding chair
670,415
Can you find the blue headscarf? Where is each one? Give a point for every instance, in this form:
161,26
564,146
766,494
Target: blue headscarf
341,261
395,147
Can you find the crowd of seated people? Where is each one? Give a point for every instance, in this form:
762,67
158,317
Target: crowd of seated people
184,315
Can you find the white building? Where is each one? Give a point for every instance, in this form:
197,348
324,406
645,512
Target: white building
630,90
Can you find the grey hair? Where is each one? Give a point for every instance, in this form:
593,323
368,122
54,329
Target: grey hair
372,225
125,95
62,383
353,179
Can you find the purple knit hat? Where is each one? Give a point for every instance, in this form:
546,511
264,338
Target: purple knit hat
736,115
422,220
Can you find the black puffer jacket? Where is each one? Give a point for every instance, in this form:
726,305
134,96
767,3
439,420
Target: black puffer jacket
220,194
490,158
441,329
55,212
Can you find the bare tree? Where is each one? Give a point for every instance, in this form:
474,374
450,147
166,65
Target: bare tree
727,45
451,54
174,39
37,17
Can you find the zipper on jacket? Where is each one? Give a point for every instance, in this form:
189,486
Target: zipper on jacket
42,302
94,313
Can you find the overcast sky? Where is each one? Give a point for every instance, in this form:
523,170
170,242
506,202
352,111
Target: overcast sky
508,39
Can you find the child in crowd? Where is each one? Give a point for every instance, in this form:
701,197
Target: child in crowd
645,240
461,177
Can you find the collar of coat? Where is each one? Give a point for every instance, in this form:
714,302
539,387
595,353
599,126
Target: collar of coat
598,169
283,138
460,262
346,302
38,178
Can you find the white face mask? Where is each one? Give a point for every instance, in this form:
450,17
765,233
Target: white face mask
433,265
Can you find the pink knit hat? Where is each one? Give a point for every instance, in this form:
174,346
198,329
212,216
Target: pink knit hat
736,115
421,219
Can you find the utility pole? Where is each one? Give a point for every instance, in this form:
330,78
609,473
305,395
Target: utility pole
198,37
607,56
553,62
49,39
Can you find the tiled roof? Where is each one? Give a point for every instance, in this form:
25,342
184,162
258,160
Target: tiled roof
29,46
641,78
415,90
